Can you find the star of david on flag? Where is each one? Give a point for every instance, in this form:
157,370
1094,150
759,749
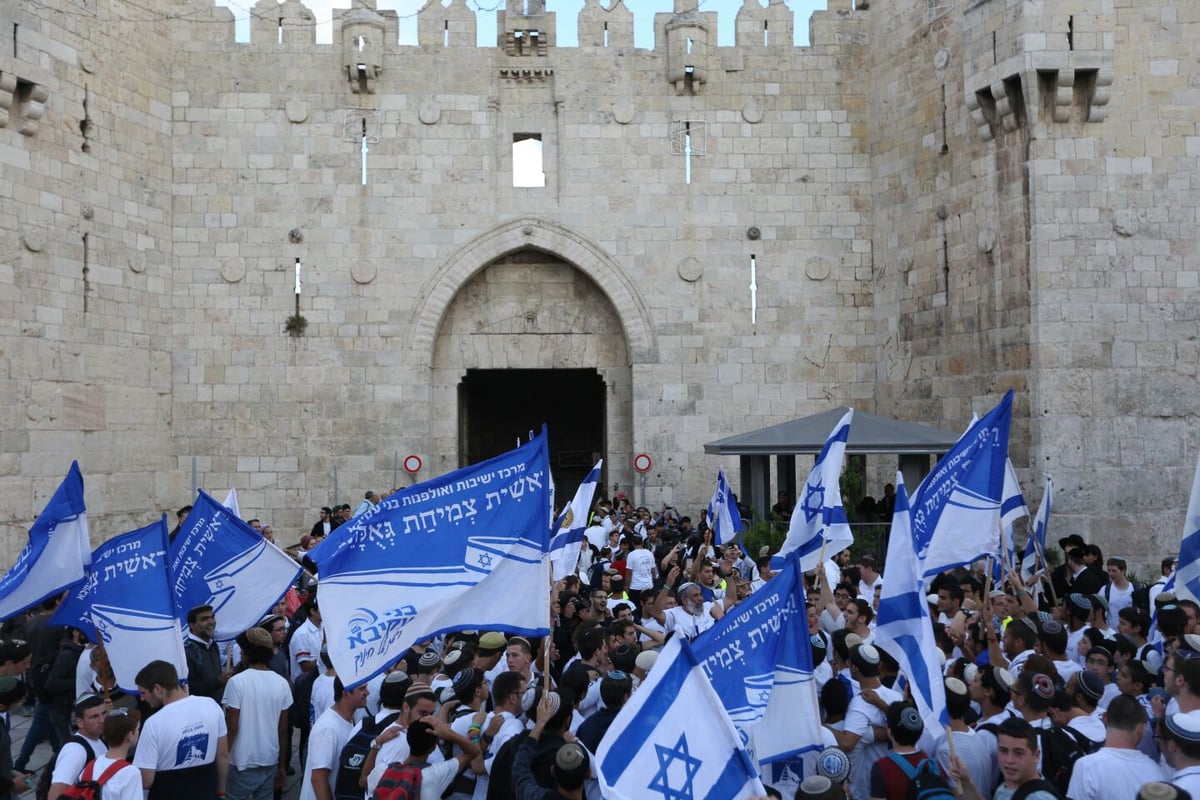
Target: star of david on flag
566,536
1035,547
819,517
654,750
1187,573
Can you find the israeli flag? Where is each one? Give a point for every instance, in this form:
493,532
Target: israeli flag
655,749
126,604
759,660
723,515
567,535
903,627
818,516
956,511
57,553
1035,546
1012,508
466,550
220,561
1187,572
231,502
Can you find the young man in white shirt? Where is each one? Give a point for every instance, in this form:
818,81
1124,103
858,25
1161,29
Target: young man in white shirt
73,755
256,704
125,783
329,735
1118,769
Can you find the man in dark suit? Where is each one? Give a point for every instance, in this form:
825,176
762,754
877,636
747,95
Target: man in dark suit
1060,576
1081,580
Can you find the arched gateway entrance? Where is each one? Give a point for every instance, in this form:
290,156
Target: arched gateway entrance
531,338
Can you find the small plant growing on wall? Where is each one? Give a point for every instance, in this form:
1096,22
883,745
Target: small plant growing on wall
296,325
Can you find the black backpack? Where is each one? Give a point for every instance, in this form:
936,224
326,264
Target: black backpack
924,782
42,790
1141,595
354,755
1039,785
298,714
1061,748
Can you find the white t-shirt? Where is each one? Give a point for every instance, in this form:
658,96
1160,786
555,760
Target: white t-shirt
322,697
1117,600
125,783
305,646
640,564
687,625
72,758
329,735
1111,772
436,778
260,696
861,717
392,751
181,735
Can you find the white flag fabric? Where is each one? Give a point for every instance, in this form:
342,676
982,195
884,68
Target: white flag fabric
231,502
126,604
1012,508
723,514
463,551
57,553
903,627
218,560
956,511
1187,573
673,739
567,537
819,517
1035,547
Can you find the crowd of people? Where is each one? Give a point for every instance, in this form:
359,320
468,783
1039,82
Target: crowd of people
1077,683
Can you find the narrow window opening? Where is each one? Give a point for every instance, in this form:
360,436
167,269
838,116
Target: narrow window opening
689,45
280,31
527,161
689,78
994,60
364,157
687,152
446,34
86,269
361,43
766,35
606,34
1071,32
15,26
525,7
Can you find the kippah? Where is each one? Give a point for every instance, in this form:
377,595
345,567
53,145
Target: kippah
1004,678
645,659
492,641
1184,726
418,688
1090,685
1192,641
555,702
428,659
1098,650
260,638
815,785
1098,600
853,640
1080,601
868,653
1164,598
818,641
1044,616
1159,790
1052,627
453,657
1028,623
519,640
994,593
910,720
955,686
464,679
970,671
1043,687
570,757
397,676
834,764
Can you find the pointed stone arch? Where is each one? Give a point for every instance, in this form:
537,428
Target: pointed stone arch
439,291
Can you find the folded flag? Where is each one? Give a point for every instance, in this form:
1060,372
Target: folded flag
1012,508
466,550
656,748
126,604
567,536
218,560
819,517
723,515
57,553
1187,573
1035,546
903,627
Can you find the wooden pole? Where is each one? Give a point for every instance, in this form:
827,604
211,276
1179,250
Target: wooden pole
820,565
958,790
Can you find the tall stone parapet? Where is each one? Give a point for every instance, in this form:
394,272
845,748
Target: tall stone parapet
446,26
289,22
525,28
363,33
1042,62
764,26
605,27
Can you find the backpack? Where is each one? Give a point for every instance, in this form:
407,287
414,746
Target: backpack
1039,785
1061,748
500,783
399,782
302,699
42,790
354,755
924,782
87,787
1141,595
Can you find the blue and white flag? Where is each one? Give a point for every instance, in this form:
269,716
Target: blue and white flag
1187,572
758,658
1035,547
956,511
903,627
567,536
463,551
126,604
231,502
1012,508
656,748
220,561
57,553
818,517
723,515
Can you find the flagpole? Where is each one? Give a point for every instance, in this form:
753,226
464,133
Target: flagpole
820,564
953,757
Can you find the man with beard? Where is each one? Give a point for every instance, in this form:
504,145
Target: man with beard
693,616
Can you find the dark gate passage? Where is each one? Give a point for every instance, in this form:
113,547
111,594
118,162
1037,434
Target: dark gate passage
496,406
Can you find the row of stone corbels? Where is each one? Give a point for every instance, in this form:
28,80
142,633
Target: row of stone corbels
24,90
